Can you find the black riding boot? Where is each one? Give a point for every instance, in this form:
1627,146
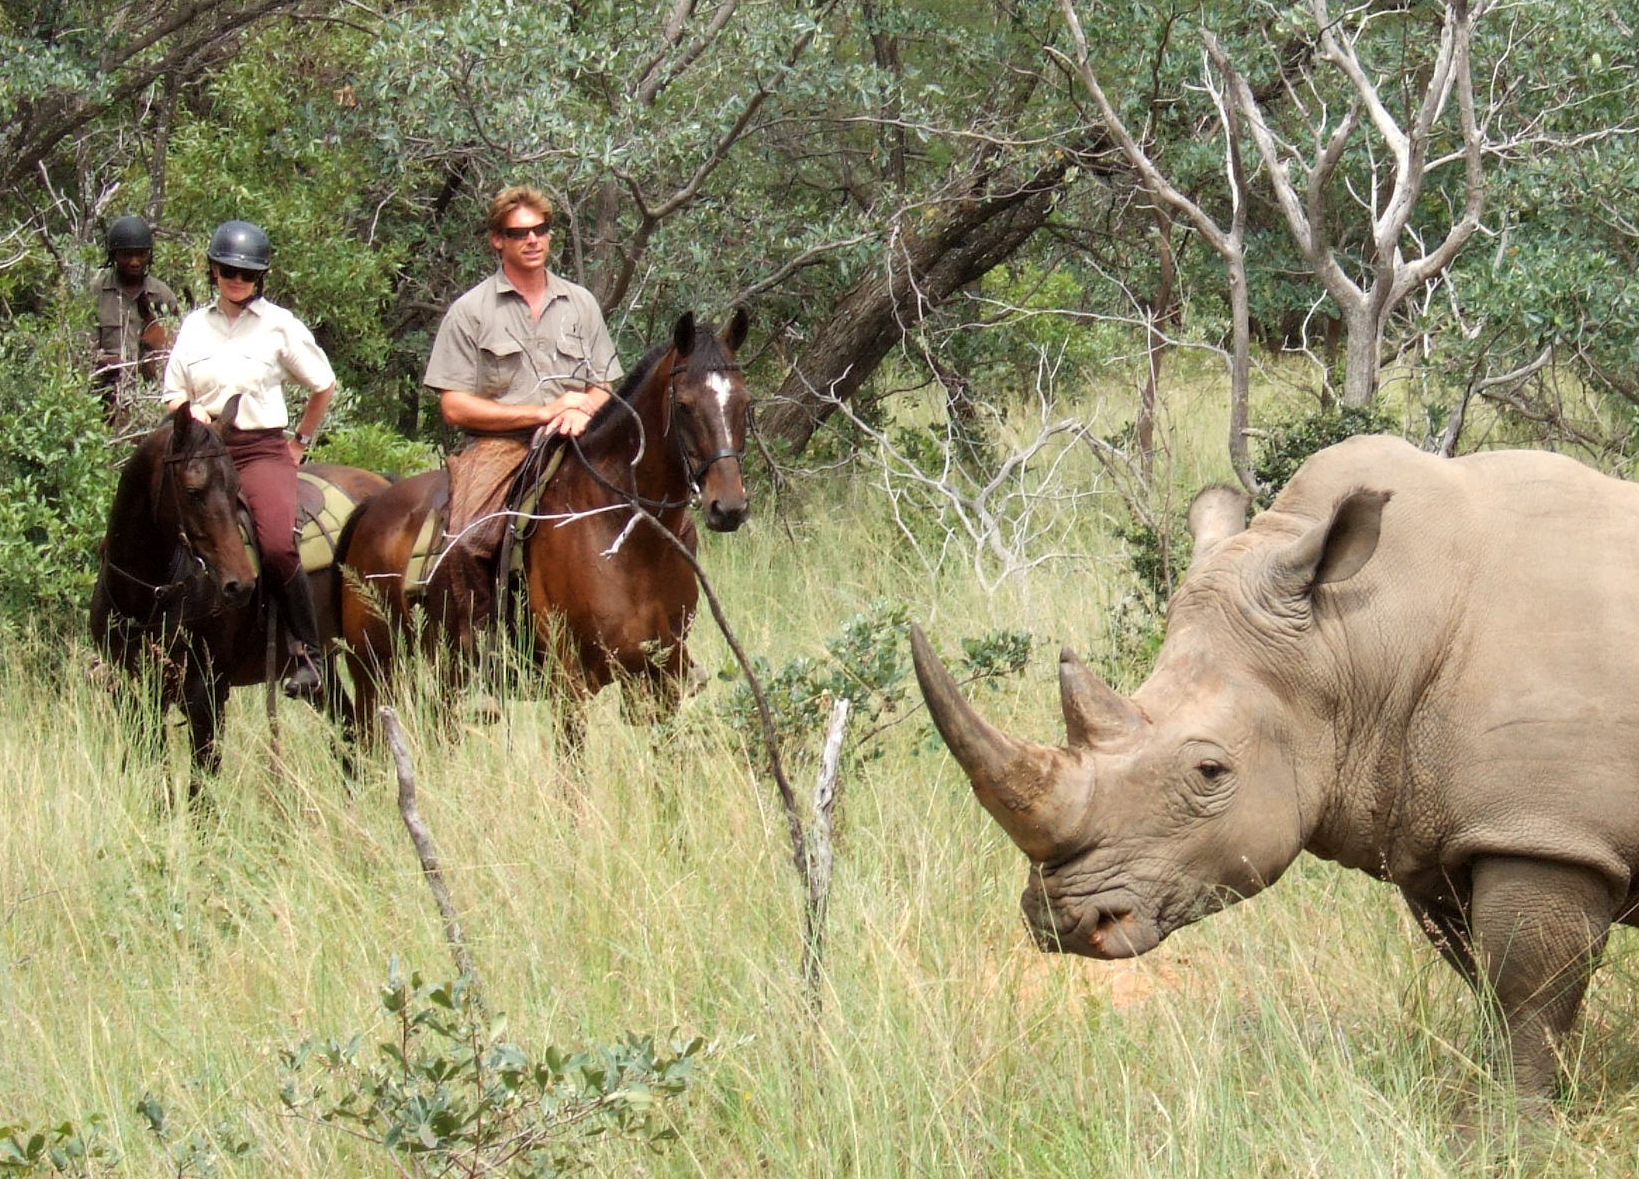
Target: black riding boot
296,601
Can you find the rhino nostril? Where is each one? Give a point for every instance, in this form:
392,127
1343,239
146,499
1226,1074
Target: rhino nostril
1113,924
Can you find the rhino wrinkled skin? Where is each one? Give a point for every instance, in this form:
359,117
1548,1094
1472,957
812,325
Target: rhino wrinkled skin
1424,668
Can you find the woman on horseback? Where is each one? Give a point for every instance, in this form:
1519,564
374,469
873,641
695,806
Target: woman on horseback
241,345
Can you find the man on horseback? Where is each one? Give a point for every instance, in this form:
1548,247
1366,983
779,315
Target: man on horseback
523,354
242,347
132,309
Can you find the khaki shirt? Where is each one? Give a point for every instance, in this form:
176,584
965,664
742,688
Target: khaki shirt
214,358
491,346
119,326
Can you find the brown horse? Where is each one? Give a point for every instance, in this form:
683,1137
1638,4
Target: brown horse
606,592
176,588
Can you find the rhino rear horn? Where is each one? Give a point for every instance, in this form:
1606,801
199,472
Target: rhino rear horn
1094,712
1017,782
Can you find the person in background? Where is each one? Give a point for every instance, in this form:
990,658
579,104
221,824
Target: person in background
241,345
134,314
524,350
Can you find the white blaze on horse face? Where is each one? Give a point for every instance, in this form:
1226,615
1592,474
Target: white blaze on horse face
720,385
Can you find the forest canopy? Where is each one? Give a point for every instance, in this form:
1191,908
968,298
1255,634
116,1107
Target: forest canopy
1001,202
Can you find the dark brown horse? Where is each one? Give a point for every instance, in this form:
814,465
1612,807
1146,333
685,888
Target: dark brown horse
606,592
176,589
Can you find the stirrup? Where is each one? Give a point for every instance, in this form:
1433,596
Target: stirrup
304,681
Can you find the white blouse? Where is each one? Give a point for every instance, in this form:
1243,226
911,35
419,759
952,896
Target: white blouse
215,358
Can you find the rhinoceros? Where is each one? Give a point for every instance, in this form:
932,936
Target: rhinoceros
1424,668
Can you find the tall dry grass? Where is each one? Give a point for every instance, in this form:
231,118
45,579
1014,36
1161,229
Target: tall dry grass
1309,1031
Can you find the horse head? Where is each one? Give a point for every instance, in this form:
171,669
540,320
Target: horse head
196,495
710,409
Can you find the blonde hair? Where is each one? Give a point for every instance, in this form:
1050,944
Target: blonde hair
512,197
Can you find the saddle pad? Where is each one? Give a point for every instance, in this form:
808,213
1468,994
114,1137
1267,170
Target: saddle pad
322,510
432,539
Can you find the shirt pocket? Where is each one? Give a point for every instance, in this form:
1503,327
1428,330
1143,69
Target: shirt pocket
571,354
498,363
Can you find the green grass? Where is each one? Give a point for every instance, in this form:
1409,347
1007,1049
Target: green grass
1309,1031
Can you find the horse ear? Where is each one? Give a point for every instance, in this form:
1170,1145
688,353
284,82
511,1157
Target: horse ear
229,416
181,424
683,334
735,333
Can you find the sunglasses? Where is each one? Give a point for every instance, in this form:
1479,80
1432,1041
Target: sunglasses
517,233
235,272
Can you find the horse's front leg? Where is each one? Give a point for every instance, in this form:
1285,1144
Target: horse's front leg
651,690
204,698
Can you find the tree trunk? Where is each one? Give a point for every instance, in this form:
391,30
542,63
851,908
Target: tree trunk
1162,311
1240,371
926,266
1361,358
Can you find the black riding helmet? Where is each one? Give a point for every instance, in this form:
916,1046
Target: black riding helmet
129,232
241,244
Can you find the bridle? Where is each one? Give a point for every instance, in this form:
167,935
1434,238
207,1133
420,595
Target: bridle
696,476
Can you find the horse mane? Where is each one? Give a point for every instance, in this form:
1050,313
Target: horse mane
139,467
629,385
708,354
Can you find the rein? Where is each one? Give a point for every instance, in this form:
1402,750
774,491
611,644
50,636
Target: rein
162,594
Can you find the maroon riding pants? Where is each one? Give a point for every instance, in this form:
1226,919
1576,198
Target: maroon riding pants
267,483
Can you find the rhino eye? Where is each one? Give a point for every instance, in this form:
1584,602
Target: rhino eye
1211,770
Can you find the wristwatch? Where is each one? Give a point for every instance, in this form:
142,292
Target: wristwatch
305,440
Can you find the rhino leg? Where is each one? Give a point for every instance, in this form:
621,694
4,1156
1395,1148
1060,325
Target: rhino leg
1539,928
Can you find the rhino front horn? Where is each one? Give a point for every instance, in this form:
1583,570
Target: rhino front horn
1017,782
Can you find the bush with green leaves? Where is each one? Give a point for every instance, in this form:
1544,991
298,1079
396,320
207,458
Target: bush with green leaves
63,1149
197,1152
375,448
1288,443
58,467
867,664
448,1095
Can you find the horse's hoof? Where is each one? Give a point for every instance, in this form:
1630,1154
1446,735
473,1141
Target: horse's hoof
102,675
304,683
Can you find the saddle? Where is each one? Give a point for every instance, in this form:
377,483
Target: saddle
322,510
523,497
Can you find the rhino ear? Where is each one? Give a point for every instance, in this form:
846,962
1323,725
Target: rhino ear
1094,713
1336,548
1216,514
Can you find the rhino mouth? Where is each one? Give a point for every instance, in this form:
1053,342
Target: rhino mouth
1111,929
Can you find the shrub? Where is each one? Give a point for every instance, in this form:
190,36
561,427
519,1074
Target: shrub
448,1095
868,664
57,471
375,448
63,1149
1290,442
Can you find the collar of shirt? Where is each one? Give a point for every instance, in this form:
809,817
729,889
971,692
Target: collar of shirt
556,288
214,307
